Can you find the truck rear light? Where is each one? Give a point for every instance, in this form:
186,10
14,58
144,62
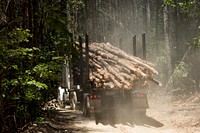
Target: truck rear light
138,95
95,96
141,95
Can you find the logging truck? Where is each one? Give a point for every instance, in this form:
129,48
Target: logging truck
114,81
110,80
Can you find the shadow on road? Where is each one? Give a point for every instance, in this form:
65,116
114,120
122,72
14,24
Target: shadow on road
66,121
147,121
131,121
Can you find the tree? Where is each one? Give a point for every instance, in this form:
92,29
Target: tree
167,42
31,56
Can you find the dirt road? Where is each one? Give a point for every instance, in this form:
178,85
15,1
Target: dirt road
162,117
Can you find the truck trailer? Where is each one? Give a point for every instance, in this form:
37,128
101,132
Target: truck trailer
105,104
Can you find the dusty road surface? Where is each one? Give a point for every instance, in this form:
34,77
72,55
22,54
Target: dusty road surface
163,116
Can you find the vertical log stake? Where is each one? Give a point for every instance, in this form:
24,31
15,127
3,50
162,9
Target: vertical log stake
134,45
144,46
87,57
81,60
120,43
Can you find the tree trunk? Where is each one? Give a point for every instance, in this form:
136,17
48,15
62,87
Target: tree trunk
35,24
144,11
167,41
176,25
133,17
30,16
156,27
1,109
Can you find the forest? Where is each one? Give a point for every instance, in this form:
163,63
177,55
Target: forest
36,36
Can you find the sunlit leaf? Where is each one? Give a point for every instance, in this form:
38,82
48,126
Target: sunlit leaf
37,84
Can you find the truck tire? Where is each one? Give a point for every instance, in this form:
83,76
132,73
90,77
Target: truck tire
97,118
86,106
111,117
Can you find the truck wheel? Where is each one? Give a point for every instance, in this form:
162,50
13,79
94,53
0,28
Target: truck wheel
111,117
86,106
113,120
97,118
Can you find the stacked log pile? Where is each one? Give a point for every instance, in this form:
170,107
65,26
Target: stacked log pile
112,68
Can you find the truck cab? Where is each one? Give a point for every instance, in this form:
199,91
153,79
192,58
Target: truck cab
66,93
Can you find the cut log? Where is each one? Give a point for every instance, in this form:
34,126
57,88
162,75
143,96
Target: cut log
108,47
112,68
100,57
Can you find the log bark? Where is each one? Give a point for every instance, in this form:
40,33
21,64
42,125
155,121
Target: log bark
131,58
112,68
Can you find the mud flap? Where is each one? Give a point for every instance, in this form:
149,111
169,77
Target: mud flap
98,118
111,117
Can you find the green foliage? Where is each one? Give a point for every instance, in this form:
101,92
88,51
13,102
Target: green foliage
181,70
23,82
29,75
161,59
185,7
170,3
182,83
39,119
77,2
59,26
15,36
47,72
57,22
196,41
